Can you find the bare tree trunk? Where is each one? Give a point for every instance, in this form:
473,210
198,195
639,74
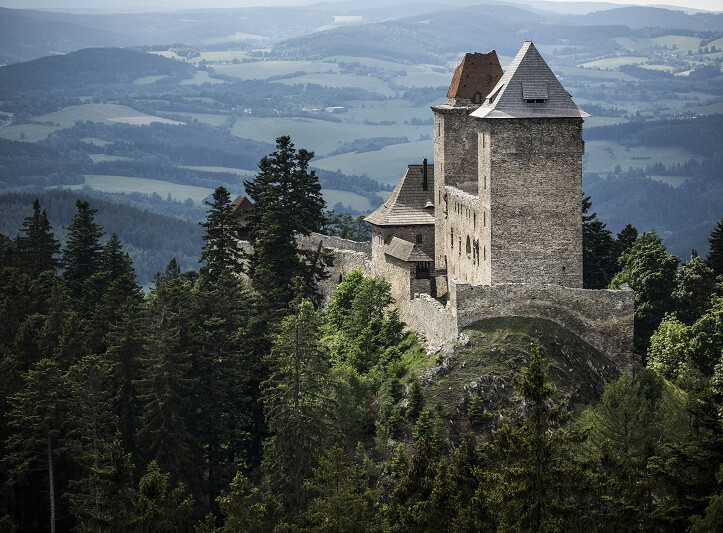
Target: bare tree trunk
51,488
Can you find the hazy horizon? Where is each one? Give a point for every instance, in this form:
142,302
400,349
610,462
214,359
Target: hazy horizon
176,5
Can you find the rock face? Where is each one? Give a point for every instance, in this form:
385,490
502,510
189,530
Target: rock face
495,352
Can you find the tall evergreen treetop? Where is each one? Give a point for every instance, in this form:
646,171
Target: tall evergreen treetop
83,250
288,202
220,250
37,246
715,255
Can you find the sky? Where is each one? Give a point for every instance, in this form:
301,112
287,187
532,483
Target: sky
125,5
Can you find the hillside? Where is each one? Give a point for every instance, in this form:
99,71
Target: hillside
150,250
88,67
494,353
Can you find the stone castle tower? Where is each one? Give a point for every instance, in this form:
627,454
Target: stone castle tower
494,227
508,173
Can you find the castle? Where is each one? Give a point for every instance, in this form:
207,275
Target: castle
494,227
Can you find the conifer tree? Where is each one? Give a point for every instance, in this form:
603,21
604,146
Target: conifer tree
37,247
540,486
715,255
288,202
599,250
246,508
298,404
220,250
163,391
36,420
625,239
83,250
341,499
159,507
110,505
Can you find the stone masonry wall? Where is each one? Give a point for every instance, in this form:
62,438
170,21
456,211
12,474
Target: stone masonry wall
347,256
435,322
535,190
602,318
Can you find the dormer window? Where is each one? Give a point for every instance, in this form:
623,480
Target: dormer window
534,92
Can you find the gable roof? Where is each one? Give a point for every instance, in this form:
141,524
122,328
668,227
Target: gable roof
406,205
241,203
405,251
477,73
528,77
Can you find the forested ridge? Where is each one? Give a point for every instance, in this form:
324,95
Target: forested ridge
219,402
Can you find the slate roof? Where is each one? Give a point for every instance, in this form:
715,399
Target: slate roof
405,250
405,206
476,73
528,77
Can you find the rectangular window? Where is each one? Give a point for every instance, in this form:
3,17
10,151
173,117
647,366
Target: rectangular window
419,238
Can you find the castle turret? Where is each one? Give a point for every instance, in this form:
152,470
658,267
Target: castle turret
455,136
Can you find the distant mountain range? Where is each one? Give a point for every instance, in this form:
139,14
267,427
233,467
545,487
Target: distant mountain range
29,34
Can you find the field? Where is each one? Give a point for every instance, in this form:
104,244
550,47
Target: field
201,77
615,62
147,80
67,117
96,158
349,199
263,70
679,42
603,156
321,136
27,132
238,171
342,80
127,184
207,118
386,165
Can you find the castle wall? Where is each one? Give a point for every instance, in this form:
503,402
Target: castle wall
603,318
465,250
534,190
347,256
435,322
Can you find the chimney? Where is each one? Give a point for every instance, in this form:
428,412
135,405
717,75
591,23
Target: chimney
424,174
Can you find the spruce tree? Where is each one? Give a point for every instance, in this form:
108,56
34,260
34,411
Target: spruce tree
715,255
288,202
36,420
83,250
599,251
160,507
298,404
220,250
37,247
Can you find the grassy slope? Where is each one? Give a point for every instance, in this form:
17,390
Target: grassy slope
497,350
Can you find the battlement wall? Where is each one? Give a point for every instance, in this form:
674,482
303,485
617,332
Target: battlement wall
603,318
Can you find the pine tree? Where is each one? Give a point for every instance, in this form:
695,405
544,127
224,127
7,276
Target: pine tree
160,507
298,404
599,251
341,499
288,202
36,245
540,486
715,255
163,391
110,505
246,508
220,250
82,252
36,420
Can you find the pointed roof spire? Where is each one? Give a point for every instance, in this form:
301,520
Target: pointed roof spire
529,89
476,74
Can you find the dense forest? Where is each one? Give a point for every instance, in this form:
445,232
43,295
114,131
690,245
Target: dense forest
226,399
